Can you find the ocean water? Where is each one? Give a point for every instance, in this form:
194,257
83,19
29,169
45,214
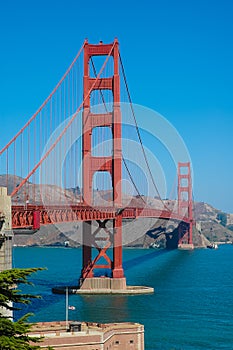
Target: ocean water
192,307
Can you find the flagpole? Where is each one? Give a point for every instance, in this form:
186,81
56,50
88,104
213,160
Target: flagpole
67,308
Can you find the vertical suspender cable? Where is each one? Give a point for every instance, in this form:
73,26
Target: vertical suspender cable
47,99
14,172
28,160
7,169
64,129
139,136
34,160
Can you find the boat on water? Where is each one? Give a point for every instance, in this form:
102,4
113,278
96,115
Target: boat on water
212,246
155,245
66,243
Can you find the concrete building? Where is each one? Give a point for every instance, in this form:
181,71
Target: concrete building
5,230
5,237
90,336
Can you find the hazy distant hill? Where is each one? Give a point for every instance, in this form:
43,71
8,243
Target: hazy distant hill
211,224
37,194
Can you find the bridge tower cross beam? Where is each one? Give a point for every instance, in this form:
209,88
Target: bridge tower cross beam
185,203
111,164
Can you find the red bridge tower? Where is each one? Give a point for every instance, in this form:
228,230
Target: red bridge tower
111,164
185,205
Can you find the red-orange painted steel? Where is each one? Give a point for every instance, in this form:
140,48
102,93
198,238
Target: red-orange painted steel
44,103
111,164
36,220
86,98
32,216
23,217
185,201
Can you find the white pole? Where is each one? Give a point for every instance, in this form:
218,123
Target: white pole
67,308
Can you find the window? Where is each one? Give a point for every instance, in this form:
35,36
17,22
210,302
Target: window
131,341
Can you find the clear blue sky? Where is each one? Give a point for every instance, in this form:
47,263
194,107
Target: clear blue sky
178,58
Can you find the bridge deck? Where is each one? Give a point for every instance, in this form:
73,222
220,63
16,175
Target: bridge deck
23,217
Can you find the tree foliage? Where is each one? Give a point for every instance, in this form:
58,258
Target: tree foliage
230,227
9,292
222,217
14,335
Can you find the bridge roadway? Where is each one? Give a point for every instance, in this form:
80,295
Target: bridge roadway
32,217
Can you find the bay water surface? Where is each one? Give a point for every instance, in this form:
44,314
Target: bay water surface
192,307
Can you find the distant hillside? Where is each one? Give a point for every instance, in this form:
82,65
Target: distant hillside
211,224
214,224
37,194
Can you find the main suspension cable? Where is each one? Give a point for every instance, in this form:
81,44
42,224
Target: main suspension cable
138,133
45,102
65,129
124,161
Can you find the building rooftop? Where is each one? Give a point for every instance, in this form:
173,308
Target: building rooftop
79,335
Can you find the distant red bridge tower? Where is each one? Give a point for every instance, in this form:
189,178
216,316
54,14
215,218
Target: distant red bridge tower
185,205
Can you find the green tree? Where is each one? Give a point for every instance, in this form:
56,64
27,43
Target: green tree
222,217
14,335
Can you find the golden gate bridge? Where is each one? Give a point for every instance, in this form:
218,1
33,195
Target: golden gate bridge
72,144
